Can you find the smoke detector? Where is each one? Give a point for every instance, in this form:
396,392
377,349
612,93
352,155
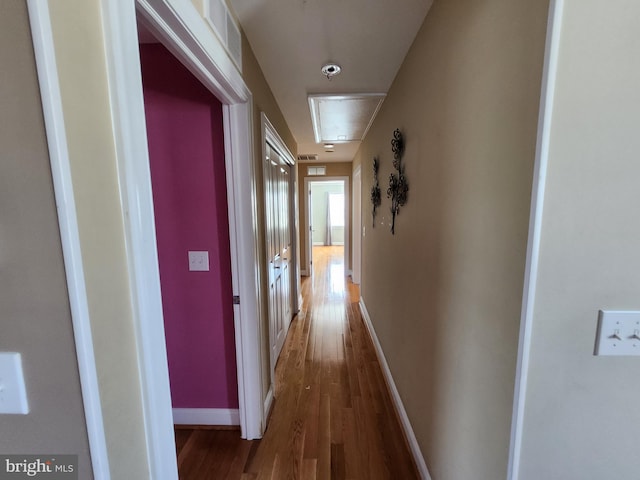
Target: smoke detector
331,70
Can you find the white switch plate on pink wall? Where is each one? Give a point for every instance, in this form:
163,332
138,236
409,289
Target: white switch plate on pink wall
199,261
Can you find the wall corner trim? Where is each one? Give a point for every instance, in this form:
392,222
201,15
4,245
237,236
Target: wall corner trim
395,396
48,79
228,417
551,56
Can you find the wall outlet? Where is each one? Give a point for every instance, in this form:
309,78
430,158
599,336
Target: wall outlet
13,394
618,333
199,261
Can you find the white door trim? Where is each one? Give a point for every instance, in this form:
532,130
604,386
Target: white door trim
535,226
356,231
307,216
130,139
270,136
69,234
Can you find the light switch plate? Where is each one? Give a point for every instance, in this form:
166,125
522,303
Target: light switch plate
198,261
618,333
13,394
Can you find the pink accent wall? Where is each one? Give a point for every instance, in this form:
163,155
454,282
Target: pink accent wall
185,134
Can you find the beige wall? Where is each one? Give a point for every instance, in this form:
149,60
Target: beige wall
337,169
35,318
581,419
444,294
80,51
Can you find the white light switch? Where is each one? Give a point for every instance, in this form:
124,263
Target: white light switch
199,261
618,333
13,394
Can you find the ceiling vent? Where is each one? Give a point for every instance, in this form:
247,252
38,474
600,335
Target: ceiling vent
308,157
343,118
225,26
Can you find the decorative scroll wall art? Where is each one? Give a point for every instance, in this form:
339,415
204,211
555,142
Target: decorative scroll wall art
376,198
398,187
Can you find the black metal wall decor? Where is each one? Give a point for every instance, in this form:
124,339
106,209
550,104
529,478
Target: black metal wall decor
376,198
398,187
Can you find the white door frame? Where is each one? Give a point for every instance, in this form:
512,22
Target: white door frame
182,30
270,136
356,231
307,216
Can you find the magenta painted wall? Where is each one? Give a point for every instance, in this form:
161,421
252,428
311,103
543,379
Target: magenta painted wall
186,149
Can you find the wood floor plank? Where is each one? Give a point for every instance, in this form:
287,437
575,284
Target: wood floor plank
309,467
324,437
337,462
332,417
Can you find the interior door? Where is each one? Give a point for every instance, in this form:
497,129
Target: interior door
279,246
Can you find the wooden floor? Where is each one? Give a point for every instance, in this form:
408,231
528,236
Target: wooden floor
332,417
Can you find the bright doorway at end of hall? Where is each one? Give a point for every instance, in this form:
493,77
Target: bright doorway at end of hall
327,216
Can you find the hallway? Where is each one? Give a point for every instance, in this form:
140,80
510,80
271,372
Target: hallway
332,417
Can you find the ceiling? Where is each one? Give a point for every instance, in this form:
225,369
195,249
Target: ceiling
293,39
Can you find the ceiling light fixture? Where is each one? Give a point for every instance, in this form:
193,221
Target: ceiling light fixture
331,70
329,145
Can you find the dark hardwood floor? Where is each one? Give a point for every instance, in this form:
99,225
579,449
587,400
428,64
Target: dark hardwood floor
332,417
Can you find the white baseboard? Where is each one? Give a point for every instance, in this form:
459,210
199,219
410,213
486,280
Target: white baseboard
206,416
268,402
395,396
318,244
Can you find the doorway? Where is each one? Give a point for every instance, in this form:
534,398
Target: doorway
326,216
227,85
187,163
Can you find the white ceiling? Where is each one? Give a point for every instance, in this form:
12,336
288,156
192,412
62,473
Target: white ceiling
293,39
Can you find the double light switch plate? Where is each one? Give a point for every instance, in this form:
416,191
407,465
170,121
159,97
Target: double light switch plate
618,333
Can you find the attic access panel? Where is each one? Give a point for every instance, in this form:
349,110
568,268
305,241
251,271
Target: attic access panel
343,118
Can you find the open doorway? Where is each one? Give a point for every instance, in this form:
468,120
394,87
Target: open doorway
327,216
187,162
